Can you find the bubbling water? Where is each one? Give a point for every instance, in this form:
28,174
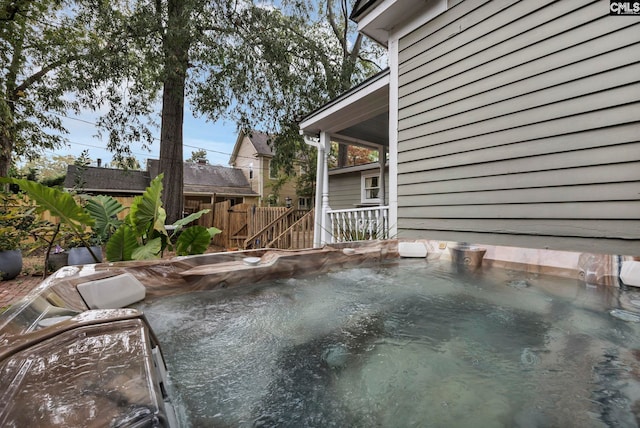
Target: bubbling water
413,343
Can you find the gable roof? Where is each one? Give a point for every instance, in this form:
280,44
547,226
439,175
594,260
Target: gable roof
258,139
198,178
107,180
204,178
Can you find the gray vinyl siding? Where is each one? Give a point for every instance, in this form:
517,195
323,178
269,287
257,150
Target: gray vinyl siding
345,189
519,124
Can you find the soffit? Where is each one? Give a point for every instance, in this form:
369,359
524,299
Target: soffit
360,114
378,19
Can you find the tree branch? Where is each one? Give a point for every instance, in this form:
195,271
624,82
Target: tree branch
40,74
334,26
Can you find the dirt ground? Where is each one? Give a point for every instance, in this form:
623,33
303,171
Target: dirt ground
32,275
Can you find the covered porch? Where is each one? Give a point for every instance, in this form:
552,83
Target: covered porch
359,117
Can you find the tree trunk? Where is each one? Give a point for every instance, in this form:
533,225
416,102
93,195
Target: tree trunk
7,112
176,48
343,155
171,147
5,154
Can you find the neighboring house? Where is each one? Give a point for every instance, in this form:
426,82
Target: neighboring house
203,183
209,184
106,181
506,123
252,154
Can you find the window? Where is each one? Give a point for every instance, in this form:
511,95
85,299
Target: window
371,188
273,171
304,203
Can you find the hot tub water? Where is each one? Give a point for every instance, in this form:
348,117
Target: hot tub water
405,344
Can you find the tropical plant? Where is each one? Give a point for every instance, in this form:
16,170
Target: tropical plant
15,222
143,234
77,225
104,210
58,203
360,229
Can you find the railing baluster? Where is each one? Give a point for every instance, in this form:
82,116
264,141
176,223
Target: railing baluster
359,223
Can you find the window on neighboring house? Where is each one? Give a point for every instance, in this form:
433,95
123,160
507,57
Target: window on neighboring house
304,203
273,170
370,188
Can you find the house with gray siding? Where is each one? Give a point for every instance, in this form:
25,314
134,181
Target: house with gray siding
511,123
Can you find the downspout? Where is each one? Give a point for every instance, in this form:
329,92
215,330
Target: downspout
393,136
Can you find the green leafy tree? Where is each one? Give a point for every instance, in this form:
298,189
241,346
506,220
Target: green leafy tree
58,57
126,163
46,167
198,156
297,58
258,65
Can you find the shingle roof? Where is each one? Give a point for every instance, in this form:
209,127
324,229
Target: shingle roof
204,178
198,178
260,141
108,180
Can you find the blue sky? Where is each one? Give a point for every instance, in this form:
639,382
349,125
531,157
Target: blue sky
217,138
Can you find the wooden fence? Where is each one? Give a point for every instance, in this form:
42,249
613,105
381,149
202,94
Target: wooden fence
237,222
298,236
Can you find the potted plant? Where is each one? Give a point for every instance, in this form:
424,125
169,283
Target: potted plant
57,258
142,235
14,230
74,219
104,210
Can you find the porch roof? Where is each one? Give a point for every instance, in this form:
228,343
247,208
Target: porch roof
360,115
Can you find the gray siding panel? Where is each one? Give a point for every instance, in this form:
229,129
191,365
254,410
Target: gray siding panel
344,190
591,192
519,124
463,152
608,229
622,173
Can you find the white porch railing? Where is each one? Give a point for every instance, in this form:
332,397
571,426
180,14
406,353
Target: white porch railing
359,224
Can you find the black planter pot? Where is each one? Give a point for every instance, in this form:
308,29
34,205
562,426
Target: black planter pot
10,264
82,256
57,260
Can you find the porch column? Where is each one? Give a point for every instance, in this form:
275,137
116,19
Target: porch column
320,167
382,159
325,143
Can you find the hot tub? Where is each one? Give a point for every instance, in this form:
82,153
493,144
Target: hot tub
323,338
